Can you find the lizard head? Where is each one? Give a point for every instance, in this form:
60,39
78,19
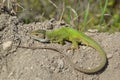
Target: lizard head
39,35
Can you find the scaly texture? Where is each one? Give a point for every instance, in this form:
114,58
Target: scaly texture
66,33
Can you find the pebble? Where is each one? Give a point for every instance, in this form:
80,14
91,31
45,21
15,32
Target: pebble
109,56
6,45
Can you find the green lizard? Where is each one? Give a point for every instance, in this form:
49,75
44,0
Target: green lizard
69,34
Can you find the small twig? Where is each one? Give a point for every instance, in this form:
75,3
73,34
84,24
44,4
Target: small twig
62,12
53,3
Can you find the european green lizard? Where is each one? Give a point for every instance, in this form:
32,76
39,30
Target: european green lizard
69,34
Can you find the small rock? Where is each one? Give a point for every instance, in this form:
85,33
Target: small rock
6,45
57,70
92,30
84,47
109,56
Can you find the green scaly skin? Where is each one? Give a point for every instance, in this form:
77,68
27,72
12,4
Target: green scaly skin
66,33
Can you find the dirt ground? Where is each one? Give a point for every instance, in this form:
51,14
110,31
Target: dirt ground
43,64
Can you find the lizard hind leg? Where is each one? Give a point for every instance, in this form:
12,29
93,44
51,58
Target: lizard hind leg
74,46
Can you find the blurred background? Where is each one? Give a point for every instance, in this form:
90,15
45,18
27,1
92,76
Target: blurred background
103,15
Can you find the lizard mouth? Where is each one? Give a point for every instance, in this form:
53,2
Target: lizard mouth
45,40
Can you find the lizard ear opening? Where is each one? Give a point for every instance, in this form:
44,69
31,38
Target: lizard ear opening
41,33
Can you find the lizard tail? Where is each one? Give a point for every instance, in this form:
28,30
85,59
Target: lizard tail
96,69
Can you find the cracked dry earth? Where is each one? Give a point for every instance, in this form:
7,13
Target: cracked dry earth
43,64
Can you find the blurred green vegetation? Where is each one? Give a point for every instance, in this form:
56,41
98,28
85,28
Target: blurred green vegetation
103,15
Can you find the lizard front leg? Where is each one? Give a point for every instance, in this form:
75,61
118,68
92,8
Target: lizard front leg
60,41
74,43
